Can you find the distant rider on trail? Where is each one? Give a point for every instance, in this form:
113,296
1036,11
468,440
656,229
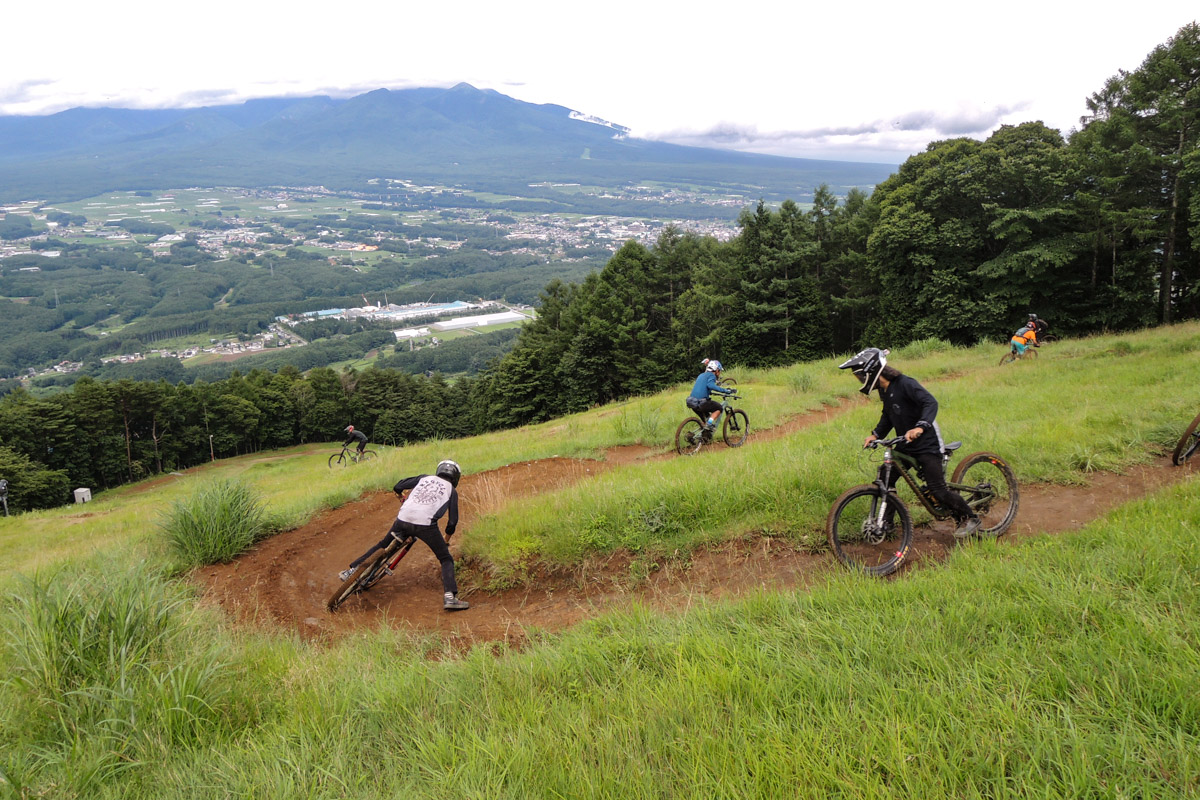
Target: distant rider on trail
356,436
1025,336
700,400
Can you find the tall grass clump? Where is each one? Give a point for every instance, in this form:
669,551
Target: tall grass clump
923,348
102,675
216,524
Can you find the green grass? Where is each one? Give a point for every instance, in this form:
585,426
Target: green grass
1055,666
216,524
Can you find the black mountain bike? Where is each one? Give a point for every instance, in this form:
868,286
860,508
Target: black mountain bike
1188,443
691,435
372,571
347,457
870,529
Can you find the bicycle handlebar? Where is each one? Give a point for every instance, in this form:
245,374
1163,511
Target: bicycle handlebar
895,440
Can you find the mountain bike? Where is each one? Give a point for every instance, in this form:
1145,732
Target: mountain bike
1012,355
350,457
1188,443
691,435
372,571
870,528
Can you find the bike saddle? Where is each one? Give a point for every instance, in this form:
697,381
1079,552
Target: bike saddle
950,448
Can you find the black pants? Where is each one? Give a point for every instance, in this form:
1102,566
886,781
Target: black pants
935,478
703,408
430,535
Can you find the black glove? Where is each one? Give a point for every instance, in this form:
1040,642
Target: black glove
450,530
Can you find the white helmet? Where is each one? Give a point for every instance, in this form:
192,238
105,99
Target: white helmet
867,365
714,366
449,471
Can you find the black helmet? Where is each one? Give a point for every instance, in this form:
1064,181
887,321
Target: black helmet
1033,317
867,365
448,470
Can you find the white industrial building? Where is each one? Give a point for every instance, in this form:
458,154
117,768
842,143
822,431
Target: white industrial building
481,321
411,333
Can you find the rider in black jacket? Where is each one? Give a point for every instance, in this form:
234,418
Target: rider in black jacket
355,436
911,411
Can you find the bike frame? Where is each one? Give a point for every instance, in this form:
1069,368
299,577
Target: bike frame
907,465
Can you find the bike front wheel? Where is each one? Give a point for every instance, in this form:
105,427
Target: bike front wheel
337,460
989,486
688,439
736,428
1188,443
869,530
366,575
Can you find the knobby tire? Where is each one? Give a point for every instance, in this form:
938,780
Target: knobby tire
687,437
337,460
736,428
1188,444
995,496
854,538
366,576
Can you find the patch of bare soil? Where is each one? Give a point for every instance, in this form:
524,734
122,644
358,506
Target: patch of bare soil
284,581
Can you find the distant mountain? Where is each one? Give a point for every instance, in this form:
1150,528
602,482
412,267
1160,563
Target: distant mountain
457,135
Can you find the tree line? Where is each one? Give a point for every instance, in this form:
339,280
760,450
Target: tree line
102,434
1093,232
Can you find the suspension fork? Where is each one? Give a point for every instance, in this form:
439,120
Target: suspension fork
883,480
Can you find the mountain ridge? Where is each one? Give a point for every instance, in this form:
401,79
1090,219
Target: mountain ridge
456,134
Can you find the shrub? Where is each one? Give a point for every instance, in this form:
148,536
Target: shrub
216,524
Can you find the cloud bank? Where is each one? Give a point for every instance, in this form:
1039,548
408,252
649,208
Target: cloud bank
890,139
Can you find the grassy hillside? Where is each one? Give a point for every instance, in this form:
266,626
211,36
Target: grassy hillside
1059,666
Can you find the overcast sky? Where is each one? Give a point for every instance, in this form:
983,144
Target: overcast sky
865,81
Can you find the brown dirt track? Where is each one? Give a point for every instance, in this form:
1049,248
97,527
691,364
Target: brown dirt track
284,581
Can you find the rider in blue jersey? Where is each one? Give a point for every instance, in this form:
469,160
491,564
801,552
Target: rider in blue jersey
700,400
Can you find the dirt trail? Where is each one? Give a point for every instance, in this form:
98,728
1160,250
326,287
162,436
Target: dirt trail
284,581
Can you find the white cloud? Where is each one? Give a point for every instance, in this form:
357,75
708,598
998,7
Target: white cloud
776,76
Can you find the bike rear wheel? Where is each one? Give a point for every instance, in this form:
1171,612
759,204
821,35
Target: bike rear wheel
688,440
365,577
337,460
858,538
990,488
1188,443
736,428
